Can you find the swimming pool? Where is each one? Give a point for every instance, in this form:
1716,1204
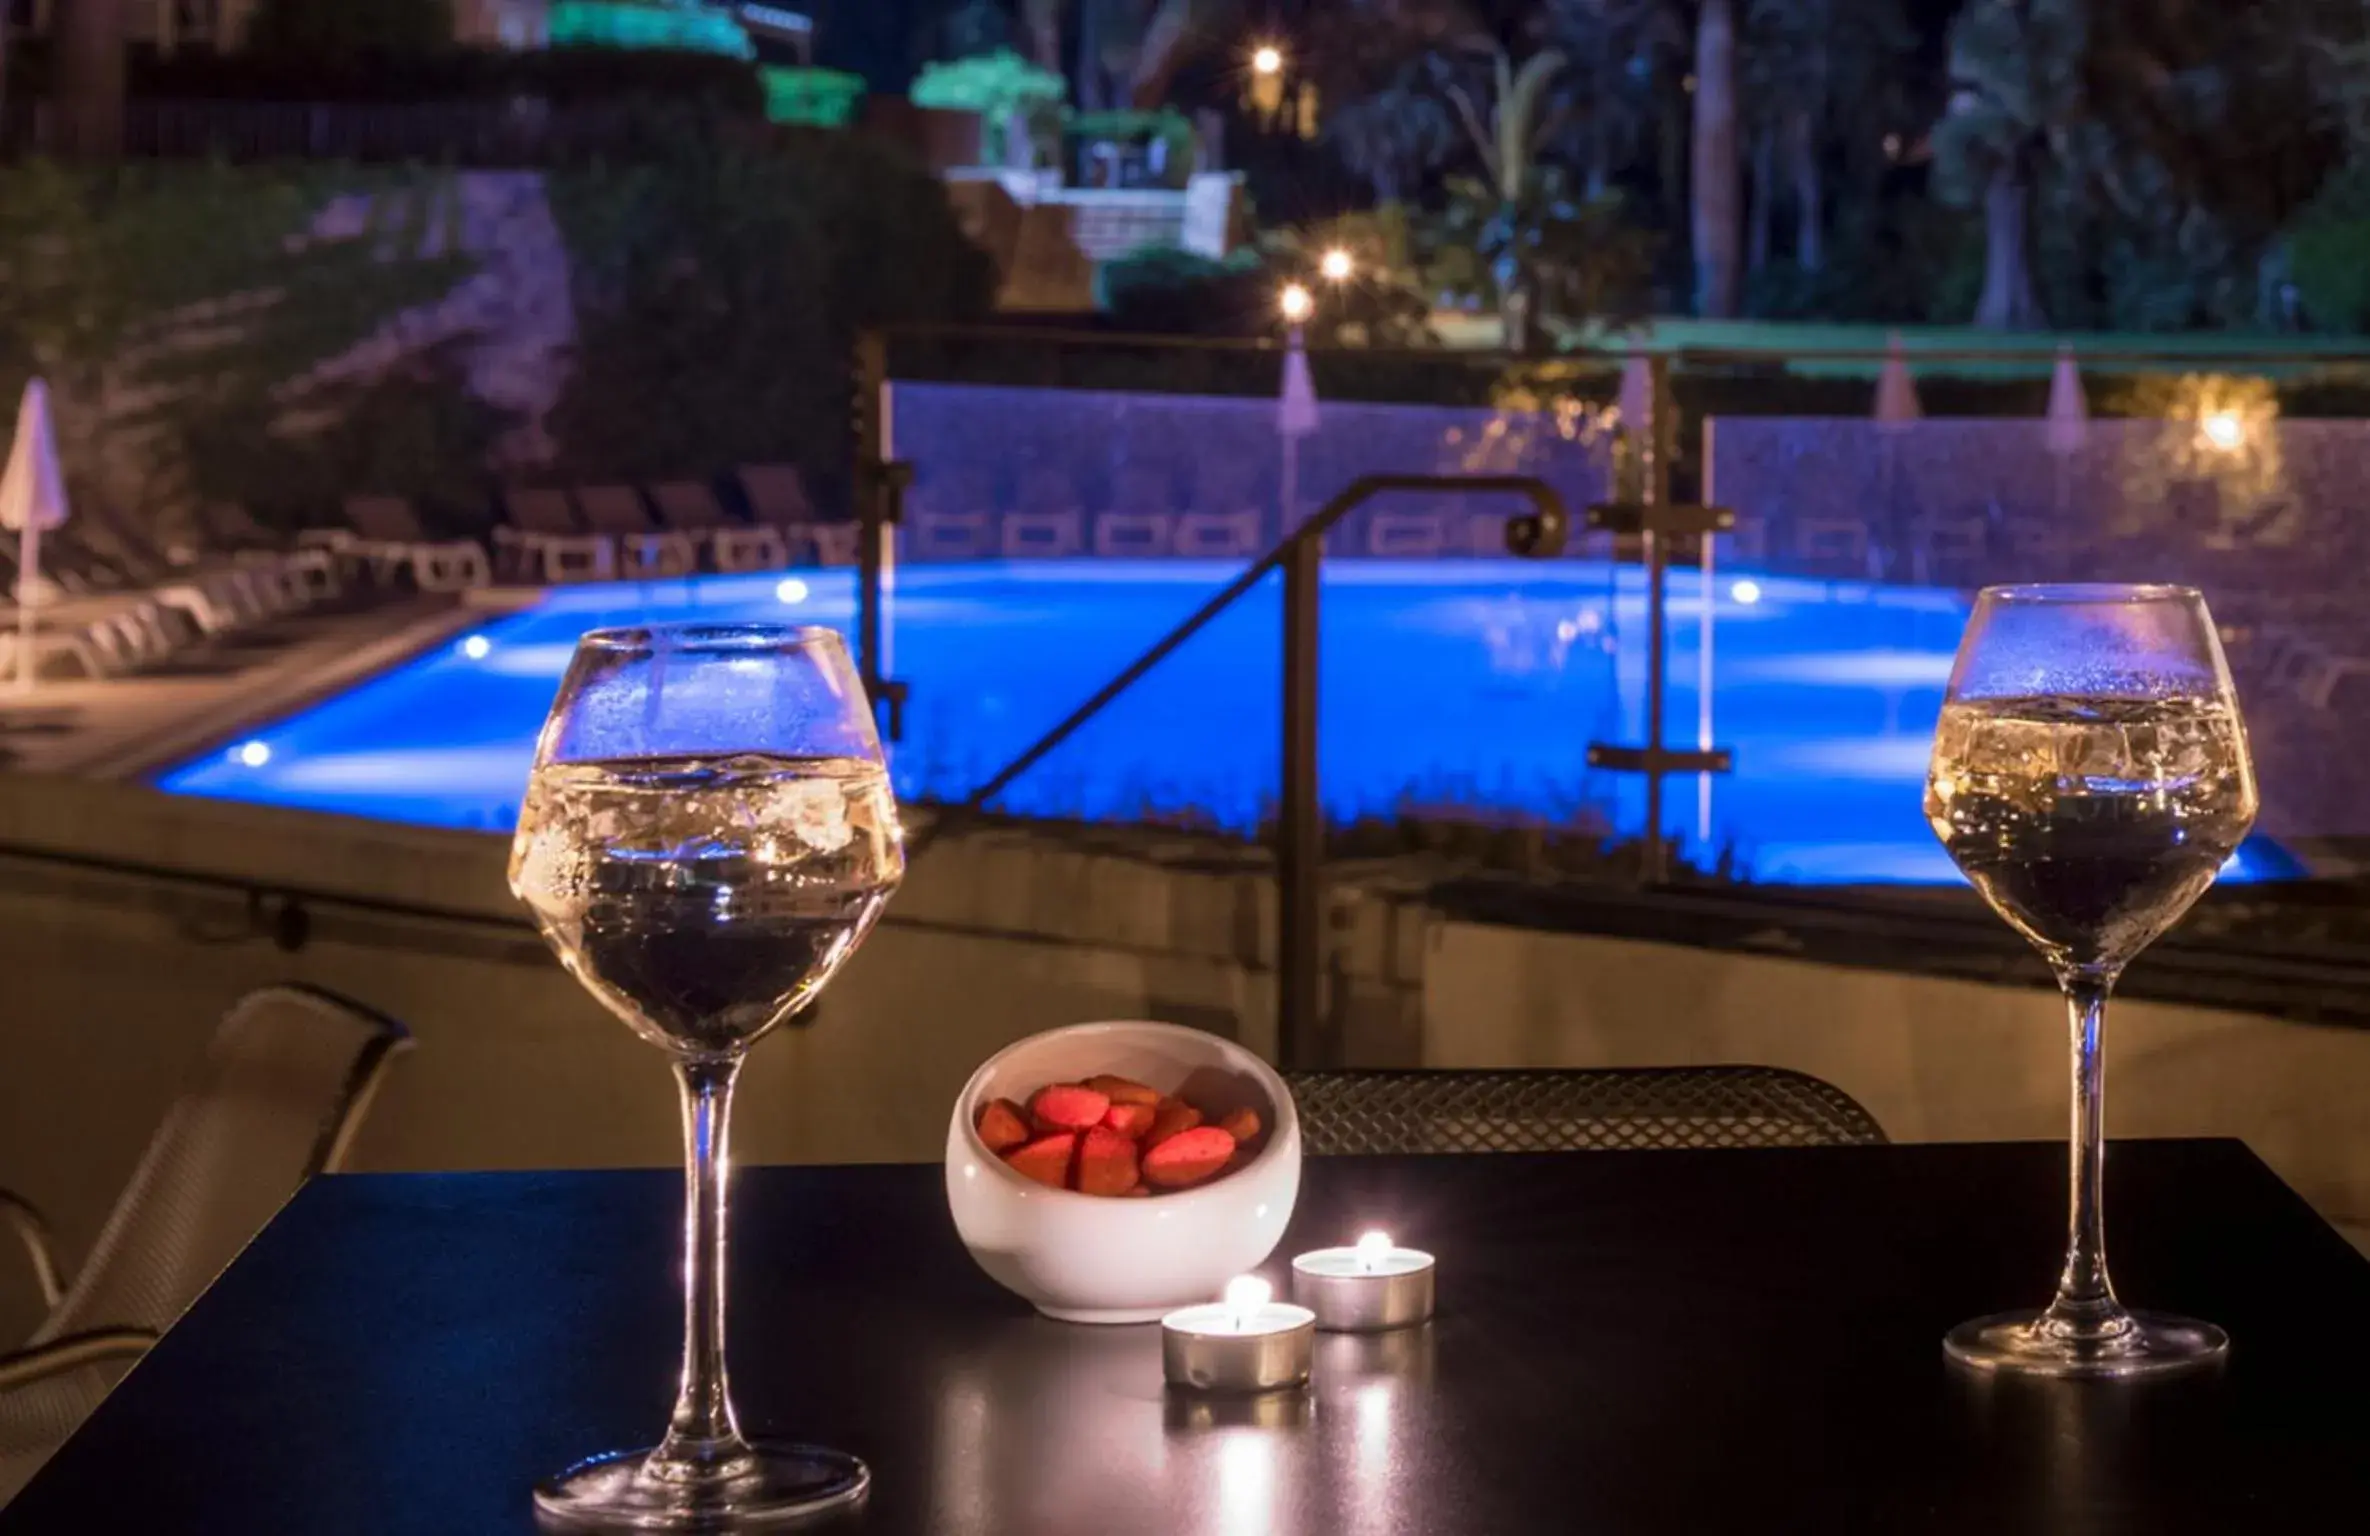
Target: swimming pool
1472,683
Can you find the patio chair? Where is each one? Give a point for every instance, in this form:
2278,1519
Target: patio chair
309,573
837,543
386,533
1048,524
689,508
1948,547
1133,535
544,541
285,1083
1218,535
1407,535
1835,546
1042,535
643,552
217,600
94,648
953,536
778,504
1574,1110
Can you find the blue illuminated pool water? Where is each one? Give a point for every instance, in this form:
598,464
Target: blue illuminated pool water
1473,683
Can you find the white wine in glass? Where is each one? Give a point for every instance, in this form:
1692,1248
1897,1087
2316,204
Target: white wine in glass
707,837
2090,776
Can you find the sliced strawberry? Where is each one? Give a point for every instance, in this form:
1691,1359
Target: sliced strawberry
1129,1120
1046,1160
1188,1157
1106,1162
1123,1090
1172,1116
1003,1125
1068,1107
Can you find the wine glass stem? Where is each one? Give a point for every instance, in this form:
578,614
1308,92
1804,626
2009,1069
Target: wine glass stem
2085,1304
703,1441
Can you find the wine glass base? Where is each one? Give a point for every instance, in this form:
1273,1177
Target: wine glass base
784,1485
2154,1345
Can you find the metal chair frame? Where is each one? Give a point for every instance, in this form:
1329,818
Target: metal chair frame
1573,1110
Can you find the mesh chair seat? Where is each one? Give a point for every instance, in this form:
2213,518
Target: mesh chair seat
286,1079
1589,1110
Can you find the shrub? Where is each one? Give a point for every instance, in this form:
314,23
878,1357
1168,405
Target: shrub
817,98
179,313
350,28
564,77
2330,253
1162,290
719,289
1170,126
624,24
995,85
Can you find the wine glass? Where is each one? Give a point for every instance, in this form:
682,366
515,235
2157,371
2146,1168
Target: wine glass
2090,776
707,837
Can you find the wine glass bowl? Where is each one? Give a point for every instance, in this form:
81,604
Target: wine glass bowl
2090,777
707,836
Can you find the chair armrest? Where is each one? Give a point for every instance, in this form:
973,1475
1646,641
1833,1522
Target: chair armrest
25,1217
25,1366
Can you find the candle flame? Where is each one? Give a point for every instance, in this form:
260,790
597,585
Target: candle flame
1372,1249
1245,1295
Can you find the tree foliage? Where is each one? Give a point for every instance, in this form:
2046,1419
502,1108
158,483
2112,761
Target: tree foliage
181,314
719,289
349,28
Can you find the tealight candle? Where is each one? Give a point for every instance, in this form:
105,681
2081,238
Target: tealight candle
1365,1289
1245,1343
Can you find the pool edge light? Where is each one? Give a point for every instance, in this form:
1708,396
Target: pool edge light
251,754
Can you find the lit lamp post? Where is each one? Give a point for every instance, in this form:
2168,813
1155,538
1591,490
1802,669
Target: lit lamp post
1336,266
1296,409
1267,81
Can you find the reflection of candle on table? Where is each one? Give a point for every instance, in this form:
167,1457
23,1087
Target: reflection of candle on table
1246,1343
1365,1289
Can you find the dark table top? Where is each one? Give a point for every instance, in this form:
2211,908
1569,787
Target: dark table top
1627,1343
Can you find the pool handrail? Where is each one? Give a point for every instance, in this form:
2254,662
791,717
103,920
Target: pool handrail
1538,533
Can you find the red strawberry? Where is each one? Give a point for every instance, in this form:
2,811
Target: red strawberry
1068,1107
1046,1160
1129,1120
1123,1090
1172,1116
1003,1125
1188,1157
1106,1163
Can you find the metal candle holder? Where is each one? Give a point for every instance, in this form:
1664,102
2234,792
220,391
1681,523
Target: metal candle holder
1246,1343
1368,1288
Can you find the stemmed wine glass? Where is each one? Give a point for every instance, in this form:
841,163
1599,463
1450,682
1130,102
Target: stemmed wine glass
707,836
2090,776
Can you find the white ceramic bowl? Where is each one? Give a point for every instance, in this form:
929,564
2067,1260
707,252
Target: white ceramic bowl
1098,1259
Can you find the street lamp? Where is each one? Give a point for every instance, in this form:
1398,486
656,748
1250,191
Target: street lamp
1336,265
1296,302
1267,59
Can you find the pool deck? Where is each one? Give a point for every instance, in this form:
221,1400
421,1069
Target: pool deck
127,726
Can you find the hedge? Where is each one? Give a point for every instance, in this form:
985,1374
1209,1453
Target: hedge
569,76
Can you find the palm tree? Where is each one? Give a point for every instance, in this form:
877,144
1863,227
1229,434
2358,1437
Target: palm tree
90,78
1821,76
1717,194
2016,96
1615,47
